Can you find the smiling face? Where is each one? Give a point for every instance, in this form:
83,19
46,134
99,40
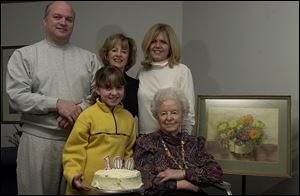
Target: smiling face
170,117
59,23
118,56
111,96
159,48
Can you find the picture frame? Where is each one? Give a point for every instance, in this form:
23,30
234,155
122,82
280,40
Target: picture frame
8,114
247,135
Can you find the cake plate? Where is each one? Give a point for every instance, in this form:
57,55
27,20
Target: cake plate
139,190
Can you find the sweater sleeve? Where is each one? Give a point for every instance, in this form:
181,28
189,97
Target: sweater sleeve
145,161
94,66
187,86
19,83
129,148
74,154
204,170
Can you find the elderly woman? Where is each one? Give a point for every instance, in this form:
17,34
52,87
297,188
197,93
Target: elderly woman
170,160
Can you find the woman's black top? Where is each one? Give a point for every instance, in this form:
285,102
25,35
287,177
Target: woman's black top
130,100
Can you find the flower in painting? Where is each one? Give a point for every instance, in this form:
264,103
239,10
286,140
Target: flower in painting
244,130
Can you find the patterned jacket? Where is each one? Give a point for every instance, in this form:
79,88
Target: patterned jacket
150,158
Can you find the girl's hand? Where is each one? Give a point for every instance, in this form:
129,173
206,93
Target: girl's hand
78,183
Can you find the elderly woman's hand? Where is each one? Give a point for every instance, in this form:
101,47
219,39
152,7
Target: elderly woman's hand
186,185
174,174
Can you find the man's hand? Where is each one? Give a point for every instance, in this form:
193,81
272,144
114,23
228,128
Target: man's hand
63,122
68,112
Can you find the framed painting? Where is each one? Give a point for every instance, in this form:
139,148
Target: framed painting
247,135
8,114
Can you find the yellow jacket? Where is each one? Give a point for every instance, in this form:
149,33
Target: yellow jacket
98,132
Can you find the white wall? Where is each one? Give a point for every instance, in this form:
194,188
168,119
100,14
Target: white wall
250,48
231,48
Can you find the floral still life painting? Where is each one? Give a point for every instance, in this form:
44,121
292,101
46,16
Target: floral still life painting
239,135
243,134
247,134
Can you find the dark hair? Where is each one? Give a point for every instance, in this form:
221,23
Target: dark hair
107,77
47,9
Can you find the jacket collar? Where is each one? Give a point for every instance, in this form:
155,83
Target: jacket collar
106,109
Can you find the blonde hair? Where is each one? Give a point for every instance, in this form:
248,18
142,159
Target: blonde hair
126,43
175,51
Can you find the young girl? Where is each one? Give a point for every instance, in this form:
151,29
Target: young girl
102,132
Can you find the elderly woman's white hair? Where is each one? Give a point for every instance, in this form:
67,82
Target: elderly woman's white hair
171,93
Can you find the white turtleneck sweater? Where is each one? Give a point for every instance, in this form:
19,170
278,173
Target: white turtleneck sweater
158,77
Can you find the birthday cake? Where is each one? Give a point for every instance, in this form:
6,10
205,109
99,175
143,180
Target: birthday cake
117,179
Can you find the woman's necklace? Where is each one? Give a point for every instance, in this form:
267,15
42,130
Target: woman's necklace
173,159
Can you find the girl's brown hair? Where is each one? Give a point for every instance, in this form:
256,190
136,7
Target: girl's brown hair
107,77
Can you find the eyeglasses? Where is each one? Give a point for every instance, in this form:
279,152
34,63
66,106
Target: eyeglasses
169,114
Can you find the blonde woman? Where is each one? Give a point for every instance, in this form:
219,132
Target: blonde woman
162,69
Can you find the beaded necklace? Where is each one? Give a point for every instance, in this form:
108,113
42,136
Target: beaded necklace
173,159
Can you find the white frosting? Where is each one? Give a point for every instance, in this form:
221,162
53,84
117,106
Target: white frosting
117,179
